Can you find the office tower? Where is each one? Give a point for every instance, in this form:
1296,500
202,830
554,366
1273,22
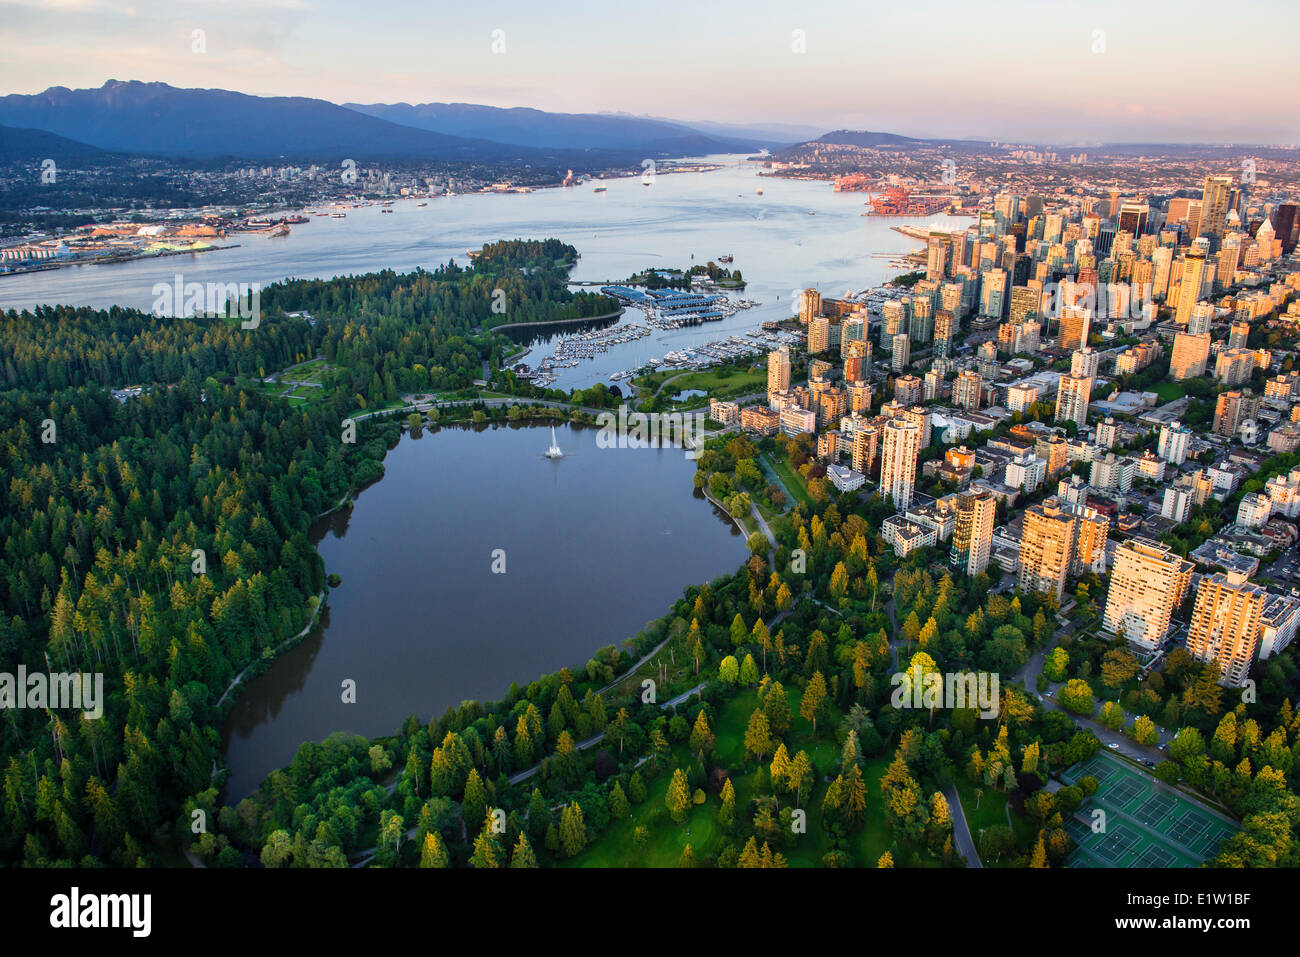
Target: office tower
1189,288
1072,399
1025,303
1073,332
902,352
811,307
1225,626
1007,206
1046,548
778,370
1174,439
1162,259
901,443
1133,218
1229,256
936,257
819,335
967,390
993,290
1214,207
972,536
1285,218
1147,583
945,328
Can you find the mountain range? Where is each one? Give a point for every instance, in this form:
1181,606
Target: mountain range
161,120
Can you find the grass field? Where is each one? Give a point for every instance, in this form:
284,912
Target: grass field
1147,824
793,482
1169,391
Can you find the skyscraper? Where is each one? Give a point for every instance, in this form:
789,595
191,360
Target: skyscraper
900,446
972,536
811,307
1225,626
1214,208
1147,583
1189,290
778,370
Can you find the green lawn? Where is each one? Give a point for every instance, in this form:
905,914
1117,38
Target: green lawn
1169,391
793,482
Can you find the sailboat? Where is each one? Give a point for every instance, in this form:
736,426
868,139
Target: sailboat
554,452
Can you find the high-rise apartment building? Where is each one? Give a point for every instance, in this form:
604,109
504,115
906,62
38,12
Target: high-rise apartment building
900,445
901,356
968,390
972,536
1147,582
1226,624
811,306
1046,547
778,370
1072,399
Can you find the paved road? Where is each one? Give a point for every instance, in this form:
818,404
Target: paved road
961,837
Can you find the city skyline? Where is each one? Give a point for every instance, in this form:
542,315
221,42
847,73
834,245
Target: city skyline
1086,79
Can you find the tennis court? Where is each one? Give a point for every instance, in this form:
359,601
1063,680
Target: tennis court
1146,823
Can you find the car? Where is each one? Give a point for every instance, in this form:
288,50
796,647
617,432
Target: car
1114,746
1051,694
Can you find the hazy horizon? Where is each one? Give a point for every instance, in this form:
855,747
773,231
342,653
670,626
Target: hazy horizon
1083,73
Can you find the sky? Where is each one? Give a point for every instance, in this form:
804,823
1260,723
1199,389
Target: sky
1046,71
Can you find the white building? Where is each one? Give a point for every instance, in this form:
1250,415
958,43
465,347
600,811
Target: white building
1026,472
1253,510
1284,493
1174,439
1177,504
844,478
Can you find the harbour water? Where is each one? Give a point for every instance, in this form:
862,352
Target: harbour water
778,247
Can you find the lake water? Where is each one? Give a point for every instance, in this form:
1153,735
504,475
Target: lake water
596,545
777,245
